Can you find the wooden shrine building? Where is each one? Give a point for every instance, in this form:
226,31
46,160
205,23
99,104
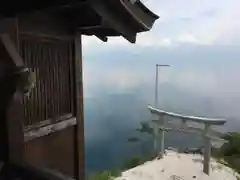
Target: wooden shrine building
40,55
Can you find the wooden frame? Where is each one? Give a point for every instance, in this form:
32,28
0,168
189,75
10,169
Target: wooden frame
47,127
18,134
52,96
78,110
12,121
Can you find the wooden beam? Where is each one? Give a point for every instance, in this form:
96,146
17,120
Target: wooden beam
78,110
47,122
46,36
103,38
11,50
42,24
13,115
114,21
48,129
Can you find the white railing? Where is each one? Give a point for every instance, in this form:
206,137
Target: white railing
206,132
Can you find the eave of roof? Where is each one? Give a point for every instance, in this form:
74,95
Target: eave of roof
128,20
101,18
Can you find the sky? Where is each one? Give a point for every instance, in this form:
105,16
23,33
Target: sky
200,39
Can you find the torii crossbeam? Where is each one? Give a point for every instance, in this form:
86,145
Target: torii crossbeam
207,132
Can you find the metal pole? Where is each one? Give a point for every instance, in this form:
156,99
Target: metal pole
156,88
156,83
156,131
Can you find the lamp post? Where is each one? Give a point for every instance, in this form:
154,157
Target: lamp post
156,130
156,83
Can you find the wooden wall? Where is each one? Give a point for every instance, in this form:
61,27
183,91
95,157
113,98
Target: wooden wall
55,151
59,150
62,150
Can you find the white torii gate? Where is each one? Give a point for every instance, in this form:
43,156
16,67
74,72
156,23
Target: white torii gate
207,132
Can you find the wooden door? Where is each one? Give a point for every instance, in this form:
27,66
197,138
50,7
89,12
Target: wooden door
49,119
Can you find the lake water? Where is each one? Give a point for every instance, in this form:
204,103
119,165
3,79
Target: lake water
110,119
119,84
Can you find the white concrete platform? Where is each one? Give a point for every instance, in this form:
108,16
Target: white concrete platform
176,166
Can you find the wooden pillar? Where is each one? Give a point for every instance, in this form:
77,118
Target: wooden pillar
78,111
13,116
207,150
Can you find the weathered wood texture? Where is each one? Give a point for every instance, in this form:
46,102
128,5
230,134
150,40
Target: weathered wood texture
51,98
48,129
51,101
11,110
48,48
44,25
54,151
78,110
